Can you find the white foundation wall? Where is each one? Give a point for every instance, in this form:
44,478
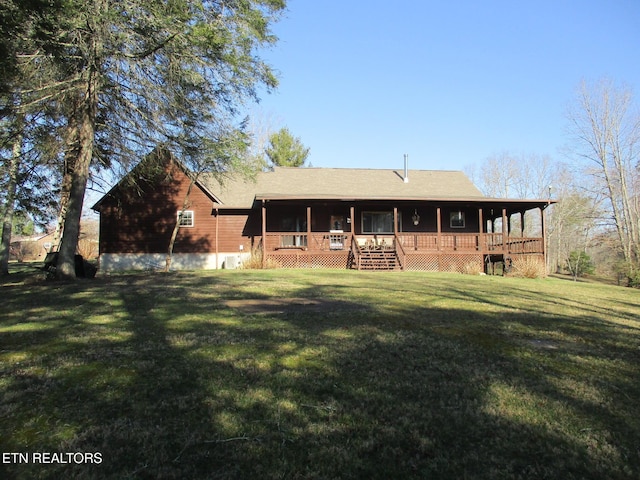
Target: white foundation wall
115,262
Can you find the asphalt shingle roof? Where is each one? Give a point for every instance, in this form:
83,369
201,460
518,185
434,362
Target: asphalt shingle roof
343,184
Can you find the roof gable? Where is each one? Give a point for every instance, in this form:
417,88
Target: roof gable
155,167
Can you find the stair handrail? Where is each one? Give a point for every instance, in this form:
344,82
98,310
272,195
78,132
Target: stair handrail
398,246
355,248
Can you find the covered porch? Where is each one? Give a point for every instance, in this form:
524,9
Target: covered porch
428,234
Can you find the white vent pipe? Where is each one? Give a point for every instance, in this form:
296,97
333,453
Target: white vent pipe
406,168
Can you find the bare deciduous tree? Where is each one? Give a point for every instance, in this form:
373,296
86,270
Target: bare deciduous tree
508,175
605,131
570,223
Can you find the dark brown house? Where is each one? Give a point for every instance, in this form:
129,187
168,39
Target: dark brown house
315,218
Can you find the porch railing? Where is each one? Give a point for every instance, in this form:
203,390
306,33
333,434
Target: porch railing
443,241
316,241
400,253
355,248
405,243
479,242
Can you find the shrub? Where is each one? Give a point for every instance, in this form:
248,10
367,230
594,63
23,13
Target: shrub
528,267
580,264
88,248
25,250
472,268
633,279
255,262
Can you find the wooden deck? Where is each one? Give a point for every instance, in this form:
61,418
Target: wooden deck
415,251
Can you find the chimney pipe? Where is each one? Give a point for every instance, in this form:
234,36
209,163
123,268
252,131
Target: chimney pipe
406,168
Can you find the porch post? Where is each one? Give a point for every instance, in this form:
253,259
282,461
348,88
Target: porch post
522,224
308,226
264,234
544,238
439,235
481,231
395,221
505,230
217,231
439,226
352,212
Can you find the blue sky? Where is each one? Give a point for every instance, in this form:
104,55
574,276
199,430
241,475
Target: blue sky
447,82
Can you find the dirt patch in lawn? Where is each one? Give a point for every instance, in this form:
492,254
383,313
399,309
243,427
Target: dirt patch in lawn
283,305
543,344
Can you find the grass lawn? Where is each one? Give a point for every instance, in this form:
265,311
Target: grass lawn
317,375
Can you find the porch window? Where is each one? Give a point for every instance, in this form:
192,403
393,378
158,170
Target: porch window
293,241
185,218
378,222
456,220
293,223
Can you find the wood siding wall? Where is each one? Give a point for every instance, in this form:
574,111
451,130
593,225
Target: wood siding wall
237,230
141,219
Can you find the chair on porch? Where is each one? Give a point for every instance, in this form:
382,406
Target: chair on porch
383,243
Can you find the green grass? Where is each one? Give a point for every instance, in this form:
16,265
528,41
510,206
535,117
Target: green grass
321,374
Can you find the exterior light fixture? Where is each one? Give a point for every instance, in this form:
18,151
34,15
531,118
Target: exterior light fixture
415,217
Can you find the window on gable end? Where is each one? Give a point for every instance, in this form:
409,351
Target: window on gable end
185,218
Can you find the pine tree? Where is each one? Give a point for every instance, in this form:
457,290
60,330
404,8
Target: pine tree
285,150
133,74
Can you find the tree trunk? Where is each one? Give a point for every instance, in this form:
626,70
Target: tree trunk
70,156
65,191
7,221
176,228
84,148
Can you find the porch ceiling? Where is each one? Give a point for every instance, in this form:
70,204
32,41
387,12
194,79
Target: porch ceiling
513,205
487,204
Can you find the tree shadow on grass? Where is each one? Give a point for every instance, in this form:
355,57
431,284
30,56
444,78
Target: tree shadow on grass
476,402
170,380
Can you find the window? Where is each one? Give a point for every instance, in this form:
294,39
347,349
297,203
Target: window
293,223
378,222
456,219
185,218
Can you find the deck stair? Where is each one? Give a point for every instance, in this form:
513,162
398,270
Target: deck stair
367,255
379,260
